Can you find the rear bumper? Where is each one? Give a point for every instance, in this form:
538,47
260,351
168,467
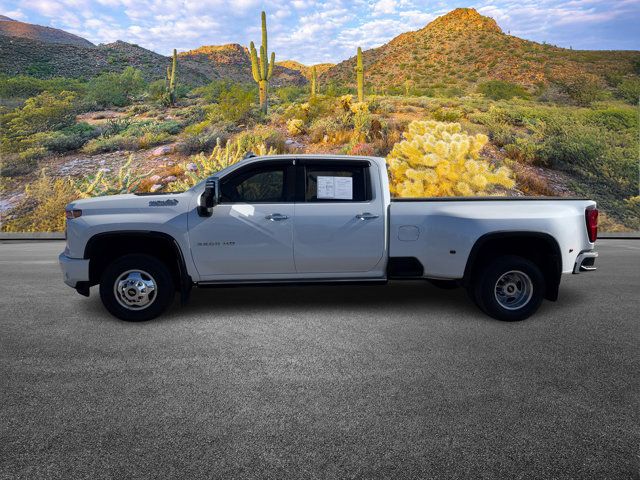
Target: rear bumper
585,262
74,270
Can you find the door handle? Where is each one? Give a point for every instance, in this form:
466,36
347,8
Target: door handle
276,217
366,216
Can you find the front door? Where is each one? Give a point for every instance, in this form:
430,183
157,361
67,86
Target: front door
250,234
339,220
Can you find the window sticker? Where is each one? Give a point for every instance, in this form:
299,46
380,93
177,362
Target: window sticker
339,188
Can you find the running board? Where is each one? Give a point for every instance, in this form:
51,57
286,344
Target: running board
302,281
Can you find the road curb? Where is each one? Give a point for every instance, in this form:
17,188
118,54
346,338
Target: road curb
31,236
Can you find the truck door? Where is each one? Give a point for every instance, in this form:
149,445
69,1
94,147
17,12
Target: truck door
250,234
339,222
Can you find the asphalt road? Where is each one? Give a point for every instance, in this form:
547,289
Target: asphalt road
396,381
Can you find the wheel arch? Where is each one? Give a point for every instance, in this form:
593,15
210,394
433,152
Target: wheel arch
103,248
541,248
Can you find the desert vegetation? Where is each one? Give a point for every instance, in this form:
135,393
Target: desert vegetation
117,132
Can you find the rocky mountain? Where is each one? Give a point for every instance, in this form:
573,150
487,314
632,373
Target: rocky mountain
48,52
32,57
233,62
304,69
13,28
463,48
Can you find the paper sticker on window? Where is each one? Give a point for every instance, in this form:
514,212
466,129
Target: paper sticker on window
339,188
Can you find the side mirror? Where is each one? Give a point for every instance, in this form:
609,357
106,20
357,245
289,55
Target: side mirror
209,198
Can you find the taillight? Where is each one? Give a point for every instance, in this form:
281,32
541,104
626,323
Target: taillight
72,214
591,217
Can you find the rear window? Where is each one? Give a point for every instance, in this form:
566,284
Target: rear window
342,183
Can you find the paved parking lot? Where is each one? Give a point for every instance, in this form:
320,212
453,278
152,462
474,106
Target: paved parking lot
396,381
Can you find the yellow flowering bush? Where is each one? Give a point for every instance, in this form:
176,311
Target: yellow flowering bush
295,126
437,159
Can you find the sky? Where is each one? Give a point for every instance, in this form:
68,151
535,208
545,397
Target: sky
324,31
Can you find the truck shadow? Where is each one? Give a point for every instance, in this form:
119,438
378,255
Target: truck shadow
391,299
395,295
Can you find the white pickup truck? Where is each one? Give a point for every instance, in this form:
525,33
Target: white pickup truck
309,219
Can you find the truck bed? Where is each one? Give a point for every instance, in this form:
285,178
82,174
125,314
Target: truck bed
440,232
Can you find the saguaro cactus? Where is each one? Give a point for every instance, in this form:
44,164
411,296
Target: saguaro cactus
360,76
261,68
172,79
314,79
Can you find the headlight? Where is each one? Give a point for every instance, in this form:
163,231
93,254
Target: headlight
69,214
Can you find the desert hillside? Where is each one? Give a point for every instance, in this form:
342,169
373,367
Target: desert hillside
13,28
232,62
463,48
47,52
306,69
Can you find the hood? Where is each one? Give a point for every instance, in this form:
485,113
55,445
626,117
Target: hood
132,202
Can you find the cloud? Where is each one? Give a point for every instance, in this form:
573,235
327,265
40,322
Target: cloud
384,7
15,14
322,30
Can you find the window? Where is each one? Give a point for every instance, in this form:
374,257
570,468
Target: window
339,183
262,184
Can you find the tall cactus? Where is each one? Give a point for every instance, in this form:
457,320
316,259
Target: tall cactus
172,79
314,79
261,68
360,76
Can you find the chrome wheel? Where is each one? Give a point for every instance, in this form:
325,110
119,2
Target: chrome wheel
513,290
135,289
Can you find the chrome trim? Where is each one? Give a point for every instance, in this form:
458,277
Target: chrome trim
135,289
513,290
578,267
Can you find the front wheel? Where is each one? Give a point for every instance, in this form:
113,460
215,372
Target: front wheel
136,288
510,288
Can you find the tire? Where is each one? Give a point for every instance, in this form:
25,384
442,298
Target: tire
443,284
136,288
510,288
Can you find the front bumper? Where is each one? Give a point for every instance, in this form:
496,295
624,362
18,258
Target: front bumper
585,262
74,270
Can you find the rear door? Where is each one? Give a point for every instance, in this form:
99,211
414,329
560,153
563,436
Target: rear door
250,234
339,222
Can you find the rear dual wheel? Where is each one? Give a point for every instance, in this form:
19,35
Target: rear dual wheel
509,288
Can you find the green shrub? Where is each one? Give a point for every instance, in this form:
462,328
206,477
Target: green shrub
629,90
234,105
582,90
122,134
24,86
523,150
110,144
156,91
574,146
42,113
446,114
212,91
70,138
291,93
614,118
500,90
115,89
